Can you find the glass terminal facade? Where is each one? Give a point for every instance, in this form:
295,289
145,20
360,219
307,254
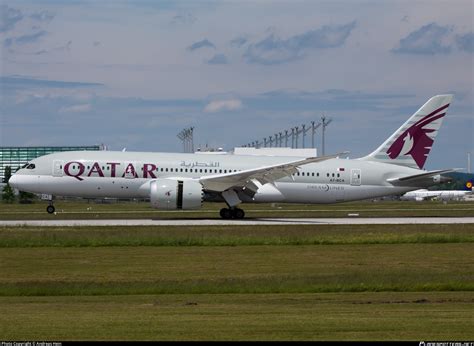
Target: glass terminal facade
16,157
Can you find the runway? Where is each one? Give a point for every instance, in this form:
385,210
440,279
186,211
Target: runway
256,221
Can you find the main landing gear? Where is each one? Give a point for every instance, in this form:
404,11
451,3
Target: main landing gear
232,213
50,208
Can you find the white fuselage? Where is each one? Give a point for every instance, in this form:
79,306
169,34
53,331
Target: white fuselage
129,174
444,195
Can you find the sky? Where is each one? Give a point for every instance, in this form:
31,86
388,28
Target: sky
133,74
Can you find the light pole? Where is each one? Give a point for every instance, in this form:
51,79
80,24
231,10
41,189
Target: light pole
325,123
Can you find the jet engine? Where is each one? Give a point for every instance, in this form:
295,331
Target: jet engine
171,194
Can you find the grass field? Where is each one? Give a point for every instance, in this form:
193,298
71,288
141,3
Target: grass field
329,316
289,282
133,210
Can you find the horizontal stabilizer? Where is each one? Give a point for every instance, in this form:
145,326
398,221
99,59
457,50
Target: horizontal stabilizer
418,177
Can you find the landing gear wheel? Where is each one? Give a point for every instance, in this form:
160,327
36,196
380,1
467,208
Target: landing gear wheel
50,209
238,213
226,213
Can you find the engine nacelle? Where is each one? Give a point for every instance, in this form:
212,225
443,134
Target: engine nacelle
171,194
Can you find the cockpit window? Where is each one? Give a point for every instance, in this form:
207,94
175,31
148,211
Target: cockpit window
24,166
31,166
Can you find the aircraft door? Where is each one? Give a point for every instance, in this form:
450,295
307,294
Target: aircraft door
57,168
356,177
131,171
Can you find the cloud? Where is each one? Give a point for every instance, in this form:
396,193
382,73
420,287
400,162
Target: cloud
239,41
218,59
274,50
86,107
184,18
9,17
466,42
43,16
223,105
201,44
428,40
66,47
19,82
27,39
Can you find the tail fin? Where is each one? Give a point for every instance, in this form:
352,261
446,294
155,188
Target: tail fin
412,142
469,186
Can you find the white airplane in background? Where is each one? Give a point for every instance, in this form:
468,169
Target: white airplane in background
182,181
444,195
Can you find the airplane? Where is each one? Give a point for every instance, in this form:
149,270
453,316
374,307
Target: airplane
444,195
182,181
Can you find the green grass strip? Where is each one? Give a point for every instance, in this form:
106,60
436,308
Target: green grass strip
228,286
11,237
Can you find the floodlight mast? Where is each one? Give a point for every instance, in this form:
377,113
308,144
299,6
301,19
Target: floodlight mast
314,127
325,123
469,162
276,140
187,136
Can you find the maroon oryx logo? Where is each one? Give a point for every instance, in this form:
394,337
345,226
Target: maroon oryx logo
415,141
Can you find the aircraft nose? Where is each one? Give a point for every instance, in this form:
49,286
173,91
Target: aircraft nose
13,181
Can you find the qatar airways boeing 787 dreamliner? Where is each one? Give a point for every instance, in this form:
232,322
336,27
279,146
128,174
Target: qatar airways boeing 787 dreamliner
184,181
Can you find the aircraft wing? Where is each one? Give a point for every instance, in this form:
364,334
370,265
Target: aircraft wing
406,180
250,178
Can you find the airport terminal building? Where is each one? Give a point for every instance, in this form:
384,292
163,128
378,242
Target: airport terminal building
16,157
